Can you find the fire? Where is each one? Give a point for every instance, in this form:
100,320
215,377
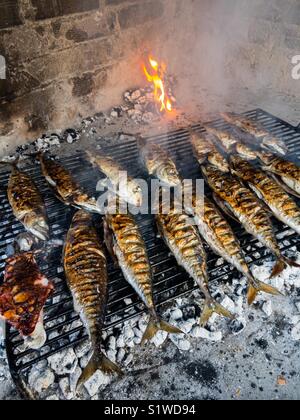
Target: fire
157,78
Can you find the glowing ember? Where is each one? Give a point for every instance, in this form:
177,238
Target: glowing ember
157,78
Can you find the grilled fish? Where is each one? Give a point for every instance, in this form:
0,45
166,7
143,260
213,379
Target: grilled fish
205,150
23,295
131,192
65,186
27,203
231,142
159,164
218,234
287,173
86,273
247,209
257,130
184,241
268,190
125,242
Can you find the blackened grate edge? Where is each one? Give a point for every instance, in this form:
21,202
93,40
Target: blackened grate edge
63,326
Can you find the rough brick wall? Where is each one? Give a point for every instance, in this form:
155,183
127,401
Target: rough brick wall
69,58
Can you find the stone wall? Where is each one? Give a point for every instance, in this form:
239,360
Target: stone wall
69,58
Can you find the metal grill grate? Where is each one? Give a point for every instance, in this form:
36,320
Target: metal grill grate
63,326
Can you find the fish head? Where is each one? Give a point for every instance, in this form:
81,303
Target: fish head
169,175
217,160
238,165
275,144
38,226
245,152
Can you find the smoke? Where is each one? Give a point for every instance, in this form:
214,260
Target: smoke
234,50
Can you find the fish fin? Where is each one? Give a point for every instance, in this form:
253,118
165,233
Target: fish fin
211,307
259,286
98,362
109,242
155,325
224,207
281,264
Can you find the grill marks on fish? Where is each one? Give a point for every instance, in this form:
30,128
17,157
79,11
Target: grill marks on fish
86,273
159,163
257,130
130,192
123,237
246,208
184,241
231,142
65,186
218,234
252,127
287,173
206,151
27,203
280,203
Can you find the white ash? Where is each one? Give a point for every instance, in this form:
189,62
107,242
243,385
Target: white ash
40,379
203,333
63,363
97,381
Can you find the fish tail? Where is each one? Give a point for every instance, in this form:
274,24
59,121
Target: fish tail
155,325
98,362
211,307
281,264
258,286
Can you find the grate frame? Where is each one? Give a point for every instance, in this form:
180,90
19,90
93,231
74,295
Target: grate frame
63,326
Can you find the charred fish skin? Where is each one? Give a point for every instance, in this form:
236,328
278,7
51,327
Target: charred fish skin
218,234
130,250
268,190
252,127
184,241
232,143
86,273
159,164
131,193
247,209
27,204
288,172
257,130
205,150
64,185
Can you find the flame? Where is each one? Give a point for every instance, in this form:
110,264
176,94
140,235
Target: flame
157,76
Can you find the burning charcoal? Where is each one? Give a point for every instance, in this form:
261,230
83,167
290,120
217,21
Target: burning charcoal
190,312
24,242
198,332
296,333
97,381
64,362
135,95
268,308
40,379
237,326
70,136
181,343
